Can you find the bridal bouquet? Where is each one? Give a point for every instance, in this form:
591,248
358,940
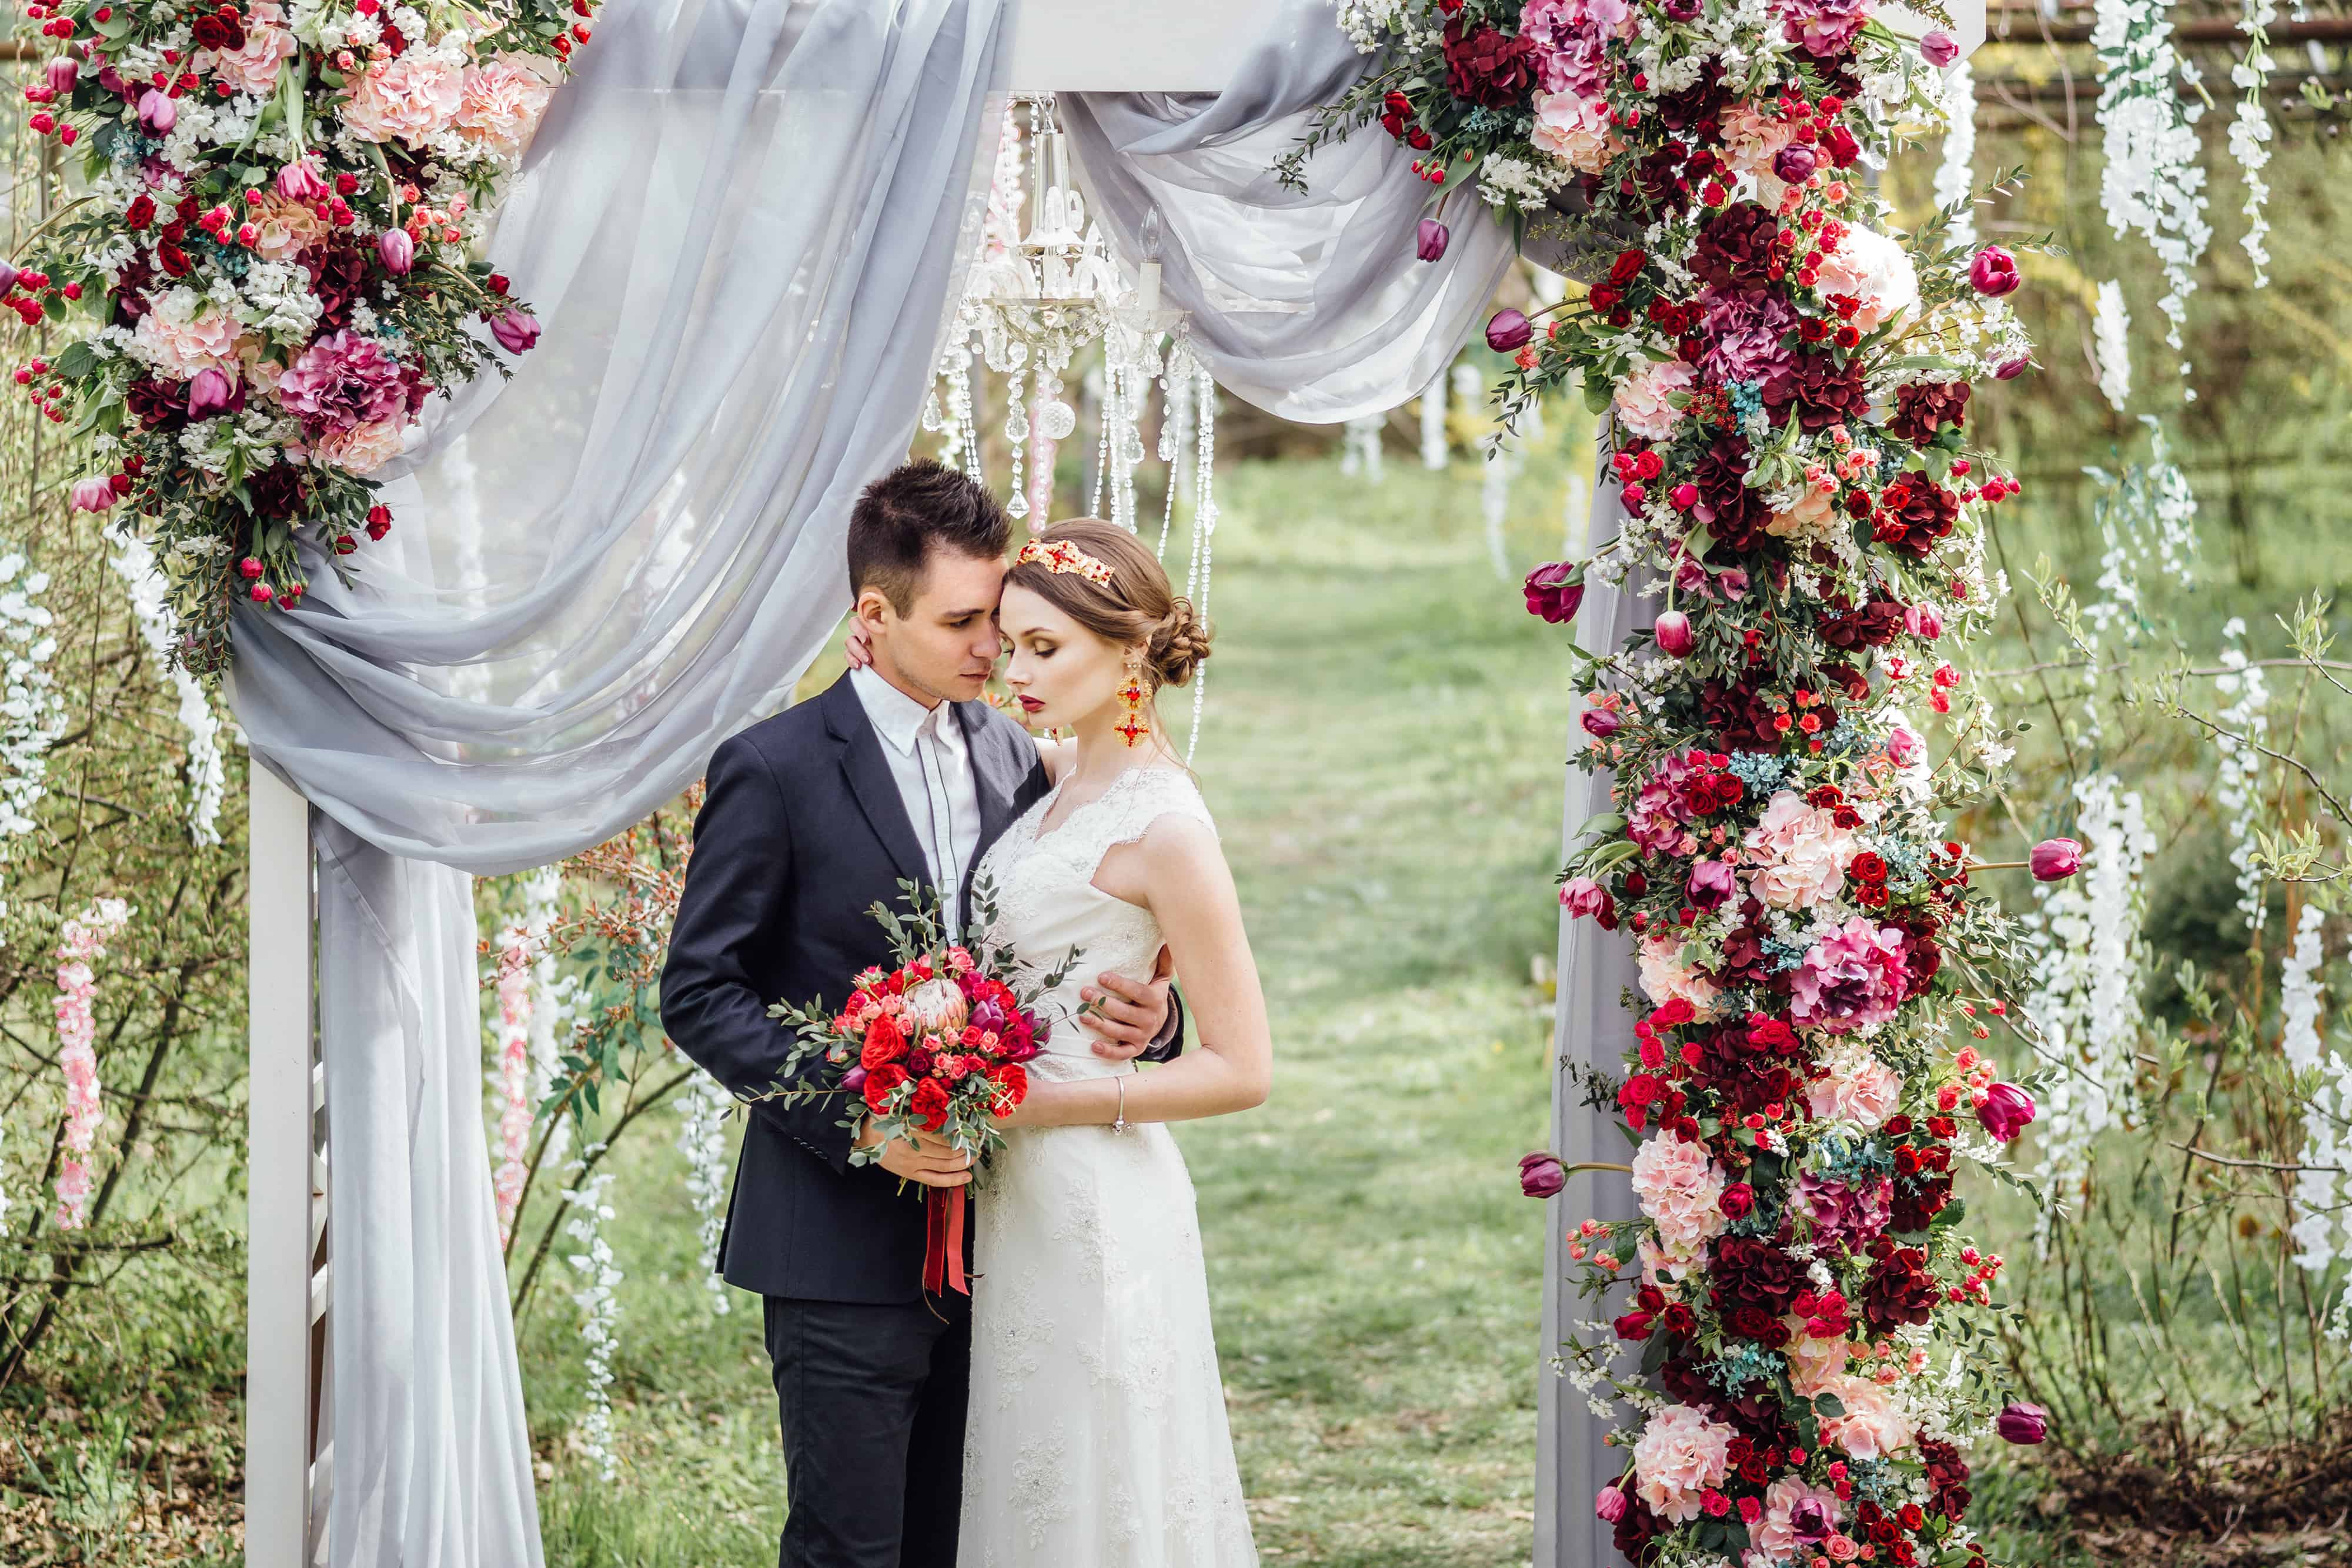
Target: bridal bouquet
935,1042
270,266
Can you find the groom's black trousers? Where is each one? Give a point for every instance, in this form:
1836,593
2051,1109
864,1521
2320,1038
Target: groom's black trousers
872,1400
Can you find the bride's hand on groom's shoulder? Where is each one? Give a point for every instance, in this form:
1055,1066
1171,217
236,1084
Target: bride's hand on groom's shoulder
856,648
928,1160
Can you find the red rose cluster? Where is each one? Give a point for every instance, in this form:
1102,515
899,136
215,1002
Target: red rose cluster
933,1049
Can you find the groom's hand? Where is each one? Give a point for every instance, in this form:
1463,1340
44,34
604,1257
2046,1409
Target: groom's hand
1127,1015
928,1160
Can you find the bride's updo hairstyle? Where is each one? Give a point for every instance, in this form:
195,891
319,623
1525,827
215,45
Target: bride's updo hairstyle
1136,606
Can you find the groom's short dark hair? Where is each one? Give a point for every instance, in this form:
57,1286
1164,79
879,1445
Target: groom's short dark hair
913,509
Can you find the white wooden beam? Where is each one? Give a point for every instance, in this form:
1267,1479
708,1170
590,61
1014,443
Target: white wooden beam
285,1202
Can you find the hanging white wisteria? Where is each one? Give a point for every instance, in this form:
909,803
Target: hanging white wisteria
2323,1191
1359,449
151,608
702,1139
1956,172
2152,182
2146,512
2087,1004
2245,726
2249,131
2111,345
1435,446
600,1311
31,713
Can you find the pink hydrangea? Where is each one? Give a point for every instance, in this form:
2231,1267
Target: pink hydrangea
1774,1538
341,381
1574,130
1679,1455
1642,405
253,67
179,345
1568,36
1665,977
1681,1189
499,103
411,99
1874,269
1850,980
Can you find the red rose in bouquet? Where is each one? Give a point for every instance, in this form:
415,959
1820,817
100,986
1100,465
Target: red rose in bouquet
935,1043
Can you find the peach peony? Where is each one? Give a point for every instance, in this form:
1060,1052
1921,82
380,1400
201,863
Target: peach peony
1642,405
179,346
1664,976
1815,1363
1867,1095
254,67
361,449
1752,137
1876,270
1572,130
501,102
1679,1455
409,100
286,229
1871,1427
1680,1189
1812,517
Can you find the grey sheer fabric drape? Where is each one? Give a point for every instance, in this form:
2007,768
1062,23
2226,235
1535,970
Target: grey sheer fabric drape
1310,305
1590,1028
739,223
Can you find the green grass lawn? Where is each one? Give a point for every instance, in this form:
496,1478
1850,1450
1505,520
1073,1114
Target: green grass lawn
1383,750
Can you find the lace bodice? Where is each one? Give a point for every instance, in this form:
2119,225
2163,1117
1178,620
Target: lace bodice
1046,901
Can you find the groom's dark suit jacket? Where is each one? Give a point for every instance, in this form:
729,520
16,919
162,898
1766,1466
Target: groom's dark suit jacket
801,832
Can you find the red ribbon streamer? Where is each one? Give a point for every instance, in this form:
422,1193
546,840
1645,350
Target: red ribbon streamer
943,1241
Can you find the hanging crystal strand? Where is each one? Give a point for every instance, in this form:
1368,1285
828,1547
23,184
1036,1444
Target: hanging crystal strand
1120,421
1175,434
1205,529
1433,445
1042,447
1093,387
1016,435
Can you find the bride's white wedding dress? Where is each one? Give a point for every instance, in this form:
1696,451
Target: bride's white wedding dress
1097,1437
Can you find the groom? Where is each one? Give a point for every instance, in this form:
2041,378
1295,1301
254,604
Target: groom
812,817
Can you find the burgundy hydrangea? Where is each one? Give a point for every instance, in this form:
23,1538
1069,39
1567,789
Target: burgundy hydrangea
1919,409
1924,518
1735,250
1743,337
1483,65
1732,512
1915,1205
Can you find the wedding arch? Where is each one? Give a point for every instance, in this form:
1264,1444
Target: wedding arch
739,223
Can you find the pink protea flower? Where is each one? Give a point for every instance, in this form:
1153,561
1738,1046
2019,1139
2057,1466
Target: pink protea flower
1679,1455
341,381
1850,980
1680,1189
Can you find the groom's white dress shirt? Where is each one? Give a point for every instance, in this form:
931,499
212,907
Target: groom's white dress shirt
931,761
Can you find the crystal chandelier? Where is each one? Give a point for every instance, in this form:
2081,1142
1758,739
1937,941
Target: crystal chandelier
1033,303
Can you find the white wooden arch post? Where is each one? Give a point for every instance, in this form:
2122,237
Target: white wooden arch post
1058,45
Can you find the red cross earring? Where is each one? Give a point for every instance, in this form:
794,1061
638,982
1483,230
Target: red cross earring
1132,729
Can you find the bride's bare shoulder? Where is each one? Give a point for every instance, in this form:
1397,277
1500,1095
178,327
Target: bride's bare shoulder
1056,755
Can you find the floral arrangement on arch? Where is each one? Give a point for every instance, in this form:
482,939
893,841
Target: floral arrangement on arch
1787,379
269,268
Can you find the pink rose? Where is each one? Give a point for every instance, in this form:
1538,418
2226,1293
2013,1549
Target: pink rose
1993,271
1871,1427
1666,978
411,99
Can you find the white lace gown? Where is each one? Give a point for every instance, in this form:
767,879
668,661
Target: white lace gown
1097,1437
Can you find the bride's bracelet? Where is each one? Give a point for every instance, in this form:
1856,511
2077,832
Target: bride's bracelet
1119,1126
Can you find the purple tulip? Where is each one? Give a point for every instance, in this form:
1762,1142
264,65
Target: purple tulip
1555,591
1610,1506
1994,272
298,182
1600,723
397,251
95,494
1673,633
1430,242
63,74
1541,1174
157,113
1507,331
2055,860
1940,48
209,393
7,277
2005,1110
516,331
2009,369
1796,162
2019,1422
854,1081
987,1016
1711,883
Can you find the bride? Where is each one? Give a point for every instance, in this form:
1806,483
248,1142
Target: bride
1096,1433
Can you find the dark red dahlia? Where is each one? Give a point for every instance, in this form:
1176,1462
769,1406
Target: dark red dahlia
1732,513
1735,250
1899,1290
1925,516
1751,1272
339,277
1918,410
1483,65
1875,625
1819,391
